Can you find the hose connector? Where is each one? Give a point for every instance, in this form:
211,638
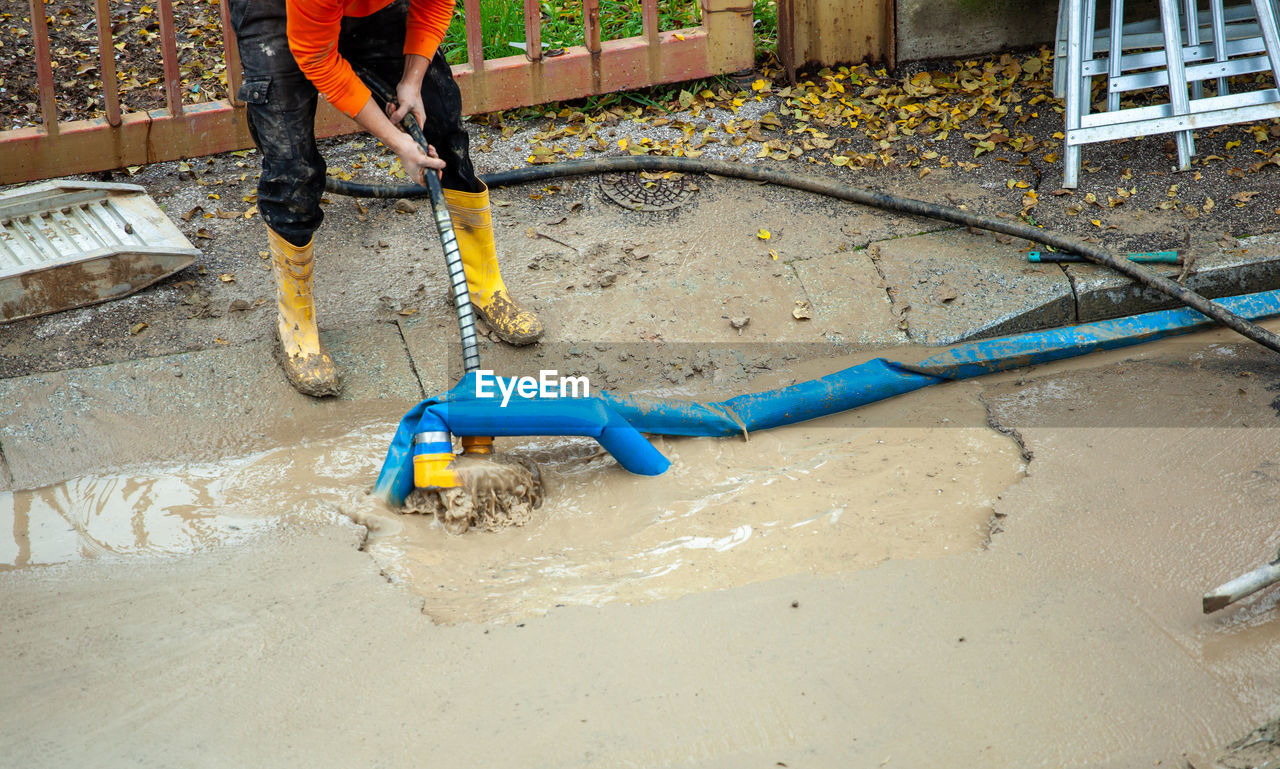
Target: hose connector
477,444
432,460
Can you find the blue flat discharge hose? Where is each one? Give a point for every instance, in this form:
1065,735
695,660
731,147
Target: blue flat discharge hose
618,421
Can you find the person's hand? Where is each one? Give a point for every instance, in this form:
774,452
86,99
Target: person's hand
409,90
416,162
409,99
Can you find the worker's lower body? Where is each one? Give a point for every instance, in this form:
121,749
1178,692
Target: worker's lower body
281,105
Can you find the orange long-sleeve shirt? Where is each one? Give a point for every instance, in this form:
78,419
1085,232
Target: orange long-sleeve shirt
313,27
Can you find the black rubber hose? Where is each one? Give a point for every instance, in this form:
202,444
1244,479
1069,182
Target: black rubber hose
834,189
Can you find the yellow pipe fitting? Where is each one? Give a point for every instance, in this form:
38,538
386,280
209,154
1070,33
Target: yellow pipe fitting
477,444
434,471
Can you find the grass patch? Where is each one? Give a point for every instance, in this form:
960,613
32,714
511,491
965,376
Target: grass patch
502,23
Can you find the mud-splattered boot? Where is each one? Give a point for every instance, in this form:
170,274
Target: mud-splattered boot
474,227
305,360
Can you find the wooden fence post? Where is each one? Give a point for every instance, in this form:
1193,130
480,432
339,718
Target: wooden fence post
828,32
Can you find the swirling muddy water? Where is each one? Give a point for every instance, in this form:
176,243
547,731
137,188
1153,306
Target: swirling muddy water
829,496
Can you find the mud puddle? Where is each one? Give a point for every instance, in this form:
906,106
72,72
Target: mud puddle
841,494
1075,639
178,510
898,480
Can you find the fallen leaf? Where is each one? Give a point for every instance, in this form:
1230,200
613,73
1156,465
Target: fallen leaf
137,328
764,234
802,311
227,277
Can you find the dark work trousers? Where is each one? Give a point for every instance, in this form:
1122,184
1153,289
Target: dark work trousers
282,107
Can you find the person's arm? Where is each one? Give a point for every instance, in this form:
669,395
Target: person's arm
312,28
424,30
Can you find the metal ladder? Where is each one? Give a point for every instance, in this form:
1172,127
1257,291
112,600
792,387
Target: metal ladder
1162,53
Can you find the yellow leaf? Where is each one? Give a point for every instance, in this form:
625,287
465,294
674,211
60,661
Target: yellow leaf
840,160
214,196
227,277
1233,144
764,234
758,85
1095,222
622,144
773,254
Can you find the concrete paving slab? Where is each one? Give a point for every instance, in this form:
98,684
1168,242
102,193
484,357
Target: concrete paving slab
685,273
850,301
194,406
1252,266
953,286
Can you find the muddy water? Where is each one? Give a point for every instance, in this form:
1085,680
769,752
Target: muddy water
835,495
809,499
177,510
1073,639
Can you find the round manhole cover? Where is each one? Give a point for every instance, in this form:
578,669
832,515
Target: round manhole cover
648,192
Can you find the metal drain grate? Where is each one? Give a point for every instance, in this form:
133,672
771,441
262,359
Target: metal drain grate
648,192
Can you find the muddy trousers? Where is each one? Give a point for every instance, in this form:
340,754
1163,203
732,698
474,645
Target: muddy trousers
281,106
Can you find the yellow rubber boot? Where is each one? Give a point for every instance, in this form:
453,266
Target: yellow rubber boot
473,226
305,360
